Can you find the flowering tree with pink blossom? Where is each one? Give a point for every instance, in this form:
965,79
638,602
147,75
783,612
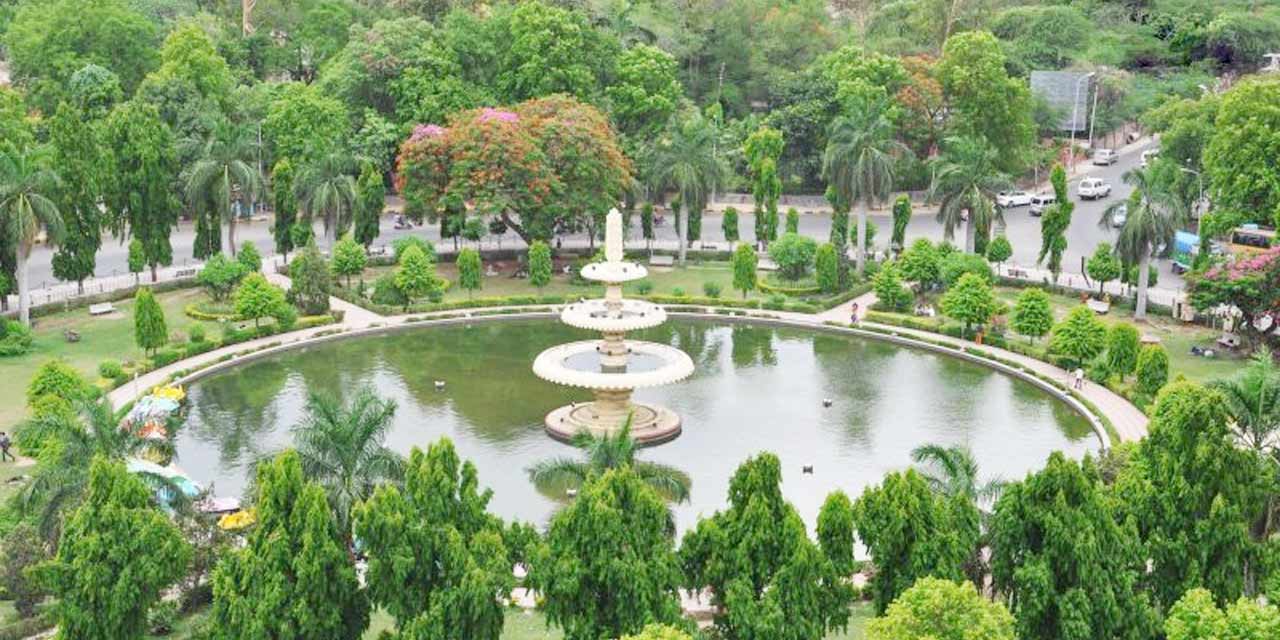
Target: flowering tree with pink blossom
543,165
1251,285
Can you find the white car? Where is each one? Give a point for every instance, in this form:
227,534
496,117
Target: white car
1092,189
1148,156
1040,202
1105,156
1007,199
1120,216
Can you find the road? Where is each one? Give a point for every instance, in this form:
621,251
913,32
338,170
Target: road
1022,229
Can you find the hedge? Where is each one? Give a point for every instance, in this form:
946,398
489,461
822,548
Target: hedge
765,286
193,311
116,295
27,627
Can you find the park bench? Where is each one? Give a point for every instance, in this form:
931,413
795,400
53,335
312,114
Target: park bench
101,308
1100,307
184,273
662,261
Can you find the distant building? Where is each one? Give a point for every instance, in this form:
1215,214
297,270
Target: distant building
1066,93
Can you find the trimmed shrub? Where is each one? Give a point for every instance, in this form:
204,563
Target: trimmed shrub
1153,369
712,289
110,369
644,287
794,254
15,338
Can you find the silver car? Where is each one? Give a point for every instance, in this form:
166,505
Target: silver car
1120,216
1105,156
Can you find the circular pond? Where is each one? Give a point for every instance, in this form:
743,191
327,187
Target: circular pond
756,388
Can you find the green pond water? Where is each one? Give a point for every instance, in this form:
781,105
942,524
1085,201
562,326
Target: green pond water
755,389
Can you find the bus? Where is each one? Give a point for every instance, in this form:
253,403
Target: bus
1251,239
1186,246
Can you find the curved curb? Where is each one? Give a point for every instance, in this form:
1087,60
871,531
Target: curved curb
235,360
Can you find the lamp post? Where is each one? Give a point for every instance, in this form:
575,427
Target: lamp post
1075,117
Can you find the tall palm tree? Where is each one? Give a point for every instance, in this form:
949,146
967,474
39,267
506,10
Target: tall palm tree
965,181
685,160
952,471
327,187
341,448
25,207
225,172
62,474
602,454
1253,398
1152,218
858,162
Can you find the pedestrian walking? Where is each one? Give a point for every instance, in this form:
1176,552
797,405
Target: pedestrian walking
5,443
1079,375
853,314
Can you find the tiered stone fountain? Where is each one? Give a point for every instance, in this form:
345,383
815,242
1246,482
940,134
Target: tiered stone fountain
613,367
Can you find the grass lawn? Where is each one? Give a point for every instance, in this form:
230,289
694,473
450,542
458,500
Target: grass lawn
1176,336
101,338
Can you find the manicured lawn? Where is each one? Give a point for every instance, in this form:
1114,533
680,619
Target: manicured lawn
101,338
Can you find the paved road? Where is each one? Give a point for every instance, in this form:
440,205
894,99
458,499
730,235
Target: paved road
1022,229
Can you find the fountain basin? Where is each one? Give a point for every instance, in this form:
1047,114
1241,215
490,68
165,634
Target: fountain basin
614,272
569,364
595,315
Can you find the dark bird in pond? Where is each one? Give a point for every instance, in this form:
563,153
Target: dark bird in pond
439,385
808,468
826,402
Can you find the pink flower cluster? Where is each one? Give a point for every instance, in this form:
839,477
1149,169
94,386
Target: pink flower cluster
423,131
1246,267
489,114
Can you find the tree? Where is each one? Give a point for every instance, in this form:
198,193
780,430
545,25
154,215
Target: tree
744,269
835,532
1152,368
793,220
1122,348
416,276
603,453
1103,265
1195,616
285,205
340,447
145,555
437,559
646,90
942,610
23,548
970,301
826,264
1152,219
1059,590
539,264
1080,336
225,173
371,195
1032,316
858,161
48,42
659,632
26,206
1253,400
966,178
255,298
249,257
1247,123
984,101
646,224
77,153
911,532
953,472
294,577
1203,536
59,379
762,149
999,250
766,575
688,164
470,270
1244,284
327,188
729,225
891,295
901,217
958,265
1055,221
552,50
137,259
349,258
219,276
921,264
149,329
304,125
592,595
309,281
794,254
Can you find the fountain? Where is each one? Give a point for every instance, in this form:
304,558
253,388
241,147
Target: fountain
613,367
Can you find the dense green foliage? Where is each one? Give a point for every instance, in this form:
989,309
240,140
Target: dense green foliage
349,258
891,293
971,301
1032,316
793,254
744,269
309,281
1123,343
539,264
1079,336
942,610
149,329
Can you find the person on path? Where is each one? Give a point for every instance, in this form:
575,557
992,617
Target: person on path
853,314
5,443
1079,375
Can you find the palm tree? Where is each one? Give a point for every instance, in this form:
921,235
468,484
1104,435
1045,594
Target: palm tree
341,448
327,186
685,160
24,209
1153,216
966,180
952,471
858,162
226,172
62,474
602,454
1253,399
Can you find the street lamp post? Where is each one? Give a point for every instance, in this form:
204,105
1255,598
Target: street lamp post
1075,117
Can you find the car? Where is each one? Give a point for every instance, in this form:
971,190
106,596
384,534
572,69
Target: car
1120,216
1040,202
1007,199
1148,156
1092,189
1105,156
